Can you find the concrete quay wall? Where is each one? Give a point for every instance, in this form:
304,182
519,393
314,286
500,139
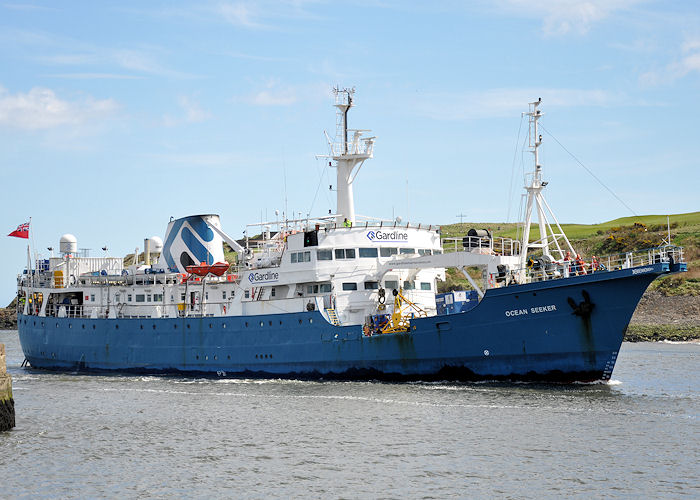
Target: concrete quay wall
7,403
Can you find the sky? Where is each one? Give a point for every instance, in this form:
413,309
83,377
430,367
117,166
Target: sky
115,116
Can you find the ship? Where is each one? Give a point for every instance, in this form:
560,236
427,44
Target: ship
341,296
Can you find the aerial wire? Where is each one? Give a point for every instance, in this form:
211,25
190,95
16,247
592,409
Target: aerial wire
589,171
512,170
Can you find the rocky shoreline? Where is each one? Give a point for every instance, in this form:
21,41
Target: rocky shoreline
658,317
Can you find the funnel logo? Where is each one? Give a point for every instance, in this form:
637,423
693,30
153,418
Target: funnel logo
267,277
394,236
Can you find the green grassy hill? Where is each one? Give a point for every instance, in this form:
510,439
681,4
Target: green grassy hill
615,236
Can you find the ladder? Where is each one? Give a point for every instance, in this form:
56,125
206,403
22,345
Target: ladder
333,317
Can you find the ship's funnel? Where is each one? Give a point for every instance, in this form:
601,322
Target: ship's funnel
189,241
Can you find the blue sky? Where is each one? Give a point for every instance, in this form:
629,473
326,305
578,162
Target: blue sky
116,116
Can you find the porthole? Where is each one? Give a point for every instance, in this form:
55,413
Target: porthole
311,320
83,327
262,323
246,324
534,294
228,357
206,358
174,327
209,325
93,327
215,357
223,326
141,326
116,327
300,321
280,322
154,326
188,326
270,323
35,323
270,355
197,356
25,322
70,325
256,356
42,324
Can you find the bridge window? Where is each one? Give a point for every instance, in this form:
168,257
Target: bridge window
311,289
368,253
349,286
325,288
148,297
391,285
409,285
223,294
157,297
273,291
140,297
324,255
388,251
298,257
425,251
407,251
344,253
371,285
128,298
425,286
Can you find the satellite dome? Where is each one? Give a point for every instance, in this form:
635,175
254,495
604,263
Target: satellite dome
68,244
156,244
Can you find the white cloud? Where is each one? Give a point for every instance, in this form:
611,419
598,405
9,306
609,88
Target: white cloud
40,108
192,113
506,102
563,17
239,14
687,61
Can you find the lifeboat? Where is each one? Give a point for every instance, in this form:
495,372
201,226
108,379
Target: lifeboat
204,269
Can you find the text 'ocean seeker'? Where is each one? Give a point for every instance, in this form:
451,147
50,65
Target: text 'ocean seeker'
533,310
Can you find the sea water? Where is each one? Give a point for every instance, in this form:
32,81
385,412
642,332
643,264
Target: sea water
87,436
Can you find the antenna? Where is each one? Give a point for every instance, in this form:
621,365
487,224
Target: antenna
461,218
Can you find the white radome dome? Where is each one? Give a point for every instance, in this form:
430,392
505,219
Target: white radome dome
156,244
68,244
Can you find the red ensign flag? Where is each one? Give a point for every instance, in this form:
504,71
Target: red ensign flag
22,231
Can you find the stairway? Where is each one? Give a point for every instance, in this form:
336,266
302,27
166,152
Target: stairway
333,317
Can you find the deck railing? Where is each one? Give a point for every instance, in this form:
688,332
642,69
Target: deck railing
543,270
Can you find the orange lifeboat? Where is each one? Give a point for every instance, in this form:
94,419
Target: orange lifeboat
204,269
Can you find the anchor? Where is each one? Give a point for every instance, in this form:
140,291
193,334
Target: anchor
582,309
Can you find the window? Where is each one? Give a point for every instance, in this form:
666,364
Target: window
148,297
425,286
92,298
407,251
437,252
408,285
206,295
128,298
157,297
391,285
344,253
247,294
182,296
298,257
349,286
223,294
324,255
425,251
311,289
273,291
387,252
368,253
140,297
371,285
325,288
116,297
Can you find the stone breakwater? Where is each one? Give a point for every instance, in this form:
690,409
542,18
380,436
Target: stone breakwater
7,403
8,318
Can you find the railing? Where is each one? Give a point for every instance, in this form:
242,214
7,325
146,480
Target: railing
543,269
482,244
128,310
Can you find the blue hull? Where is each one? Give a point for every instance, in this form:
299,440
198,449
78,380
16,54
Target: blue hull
565,330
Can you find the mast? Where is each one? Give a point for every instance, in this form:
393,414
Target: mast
348,155
534,185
